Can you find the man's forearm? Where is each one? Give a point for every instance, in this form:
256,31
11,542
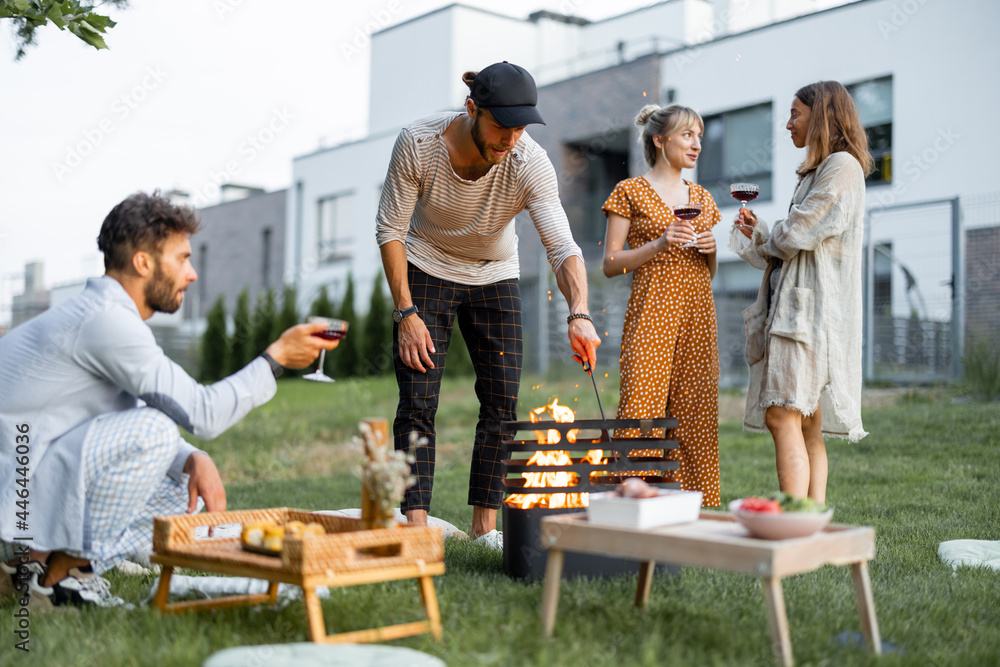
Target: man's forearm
571,276
394,264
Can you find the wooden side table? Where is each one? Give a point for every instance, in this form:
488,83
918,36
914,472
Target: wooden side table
717,541
347,555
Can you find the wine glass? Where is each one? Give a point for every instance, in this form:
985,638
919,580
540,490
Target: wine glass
688,211
335,330
744,192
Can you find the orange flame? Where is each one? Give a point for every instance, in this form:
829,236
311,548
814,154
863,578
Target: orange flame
535,480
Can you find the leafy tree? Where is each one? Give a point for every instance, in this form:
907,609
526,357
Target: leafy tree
240,352
376,349
348,353
214,345
79,18
263,322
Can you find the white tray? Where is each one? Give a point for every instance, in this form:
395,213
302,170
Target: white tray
608,509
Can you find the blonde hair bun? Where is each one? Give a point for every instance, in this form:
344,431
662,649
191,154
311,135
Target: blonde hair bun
645,113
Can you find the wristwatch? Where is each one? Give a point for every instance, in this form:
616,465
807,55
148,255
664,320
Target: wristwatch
400,315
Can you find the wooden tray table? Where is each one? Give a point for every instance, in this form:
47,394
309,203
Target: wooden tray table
717,541
346,556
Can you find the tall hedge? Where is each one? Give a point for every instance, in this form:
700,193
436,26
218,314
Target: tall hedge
376,348
214,344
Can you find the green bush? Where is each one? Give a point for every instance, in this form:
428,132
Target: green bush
240,353
348,353
214,344
263,322
376,349
289,315
321,305
982,369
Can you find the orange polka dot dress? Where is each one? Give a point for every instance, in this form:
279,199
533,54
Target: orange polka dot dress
670,352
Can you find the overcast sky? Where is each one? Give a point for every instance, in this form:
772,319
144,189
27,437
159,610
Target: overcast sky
187,88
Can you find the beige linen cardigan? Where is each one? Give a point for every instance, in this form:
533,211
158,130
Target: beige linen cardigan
805,348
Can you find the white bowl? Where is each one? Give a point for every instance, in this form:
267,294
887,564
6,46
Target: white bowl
780,525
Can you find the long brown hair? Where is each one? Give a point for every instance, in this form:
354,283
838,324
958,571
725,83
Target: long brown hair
833,126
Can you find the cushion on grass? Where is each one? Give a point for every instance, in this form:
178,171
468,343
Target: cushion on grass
972,553
322,655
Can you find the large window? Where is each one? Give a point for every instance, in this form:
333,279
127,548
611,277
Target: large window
335,227
873,100
737,147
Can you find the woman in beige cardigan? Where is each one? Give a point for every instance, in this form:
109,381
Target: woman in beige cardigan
804,330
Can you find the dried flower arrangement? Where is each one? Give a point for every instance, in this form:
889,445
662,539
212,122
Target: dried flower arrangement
384,471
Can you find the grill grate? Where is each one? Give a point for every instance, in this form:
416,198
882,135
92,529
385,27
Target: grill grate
593,434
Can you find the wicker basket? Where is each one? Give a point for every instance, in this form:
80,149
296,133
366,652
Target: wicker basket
346,547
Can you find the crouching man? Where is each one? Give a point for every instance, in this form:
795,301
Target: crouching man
89,410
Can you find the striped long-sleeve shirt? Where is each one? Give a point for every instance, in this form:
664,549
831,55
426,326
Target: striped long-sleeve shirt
461,230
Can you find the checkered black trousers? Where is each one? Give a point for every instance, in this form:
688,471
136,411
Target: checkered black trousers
489,317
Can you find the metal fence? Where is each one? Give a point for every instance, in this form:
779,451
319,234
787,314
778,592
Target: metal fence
913,292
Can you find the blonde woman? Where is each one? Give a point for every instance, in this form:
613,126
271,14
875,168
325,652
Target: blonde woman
669,343
804,330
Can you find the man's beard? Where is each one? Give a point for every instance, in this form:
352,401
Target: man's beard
485,149
161,293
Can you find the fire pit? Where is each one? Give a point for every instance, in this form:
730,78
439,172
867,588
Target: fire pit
555,472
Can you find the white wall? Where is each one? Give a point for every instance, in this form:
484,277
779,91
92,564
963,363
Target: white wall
944,138
412,74
360,167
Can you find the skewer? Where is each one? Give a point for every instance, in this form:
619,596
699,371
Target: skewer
590,371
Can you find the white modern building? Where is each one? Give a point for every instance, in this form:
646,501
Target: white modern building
923,74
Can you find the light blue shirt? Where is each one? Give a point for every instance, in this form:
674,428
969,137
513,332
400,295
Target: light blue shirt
94,355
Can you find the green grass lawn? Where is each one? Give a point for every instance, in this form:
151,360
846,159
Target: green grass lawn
927,473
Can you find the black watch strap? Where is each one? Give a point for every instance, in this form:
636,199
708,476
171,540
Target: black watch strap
276,368
400,315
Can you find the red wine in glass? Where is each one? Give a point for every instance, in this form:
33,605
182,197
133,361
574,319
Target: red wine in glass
744,192
687,211
331,334
335,330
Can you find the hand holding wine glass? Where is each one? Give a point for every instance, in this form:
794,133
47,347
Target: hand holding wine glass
333,330
297,347
745,192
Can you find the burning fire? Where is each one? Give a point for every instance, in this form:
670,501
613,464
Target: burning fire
535,480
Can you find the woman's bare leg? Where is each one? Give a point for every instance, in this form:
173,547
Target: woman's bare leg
812,433
799,451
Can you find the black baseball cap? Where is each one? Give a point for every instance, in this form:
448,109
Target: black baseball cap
509,92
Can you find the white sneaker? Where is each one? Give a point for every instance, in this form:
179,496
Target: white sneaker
82,588
492,539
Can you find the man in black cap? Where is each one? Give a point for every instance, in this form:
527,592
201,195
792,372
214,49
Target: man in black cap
445,227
